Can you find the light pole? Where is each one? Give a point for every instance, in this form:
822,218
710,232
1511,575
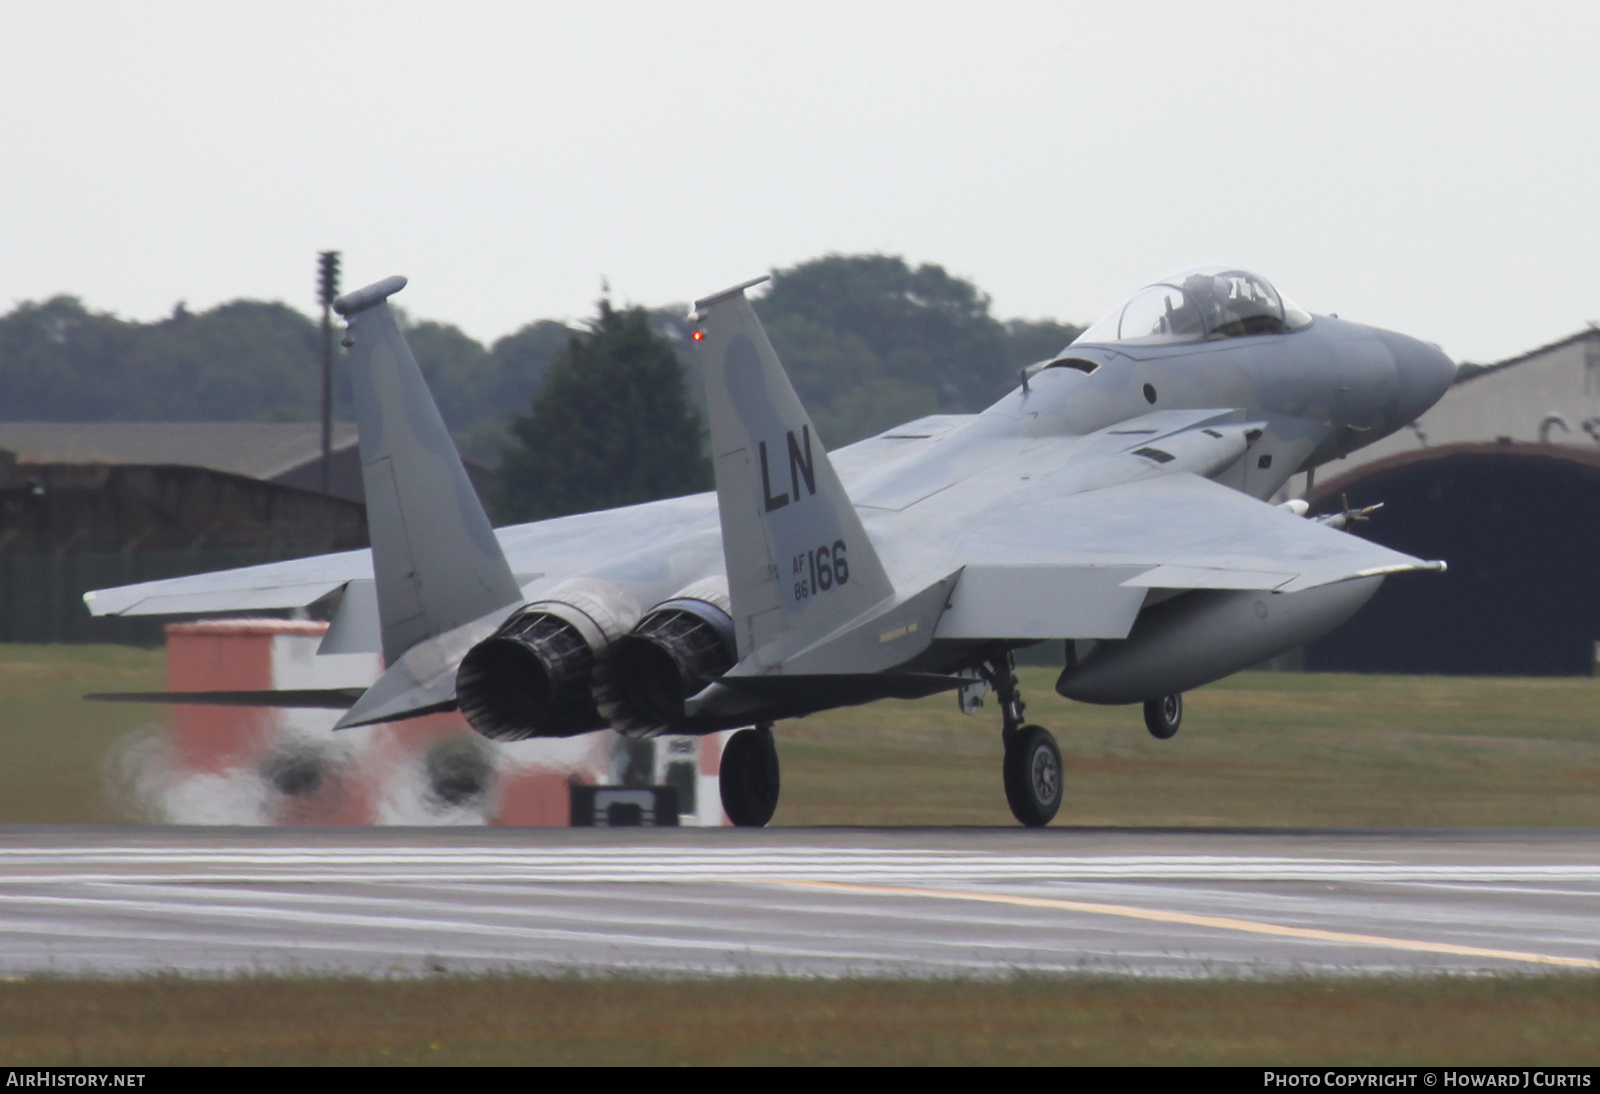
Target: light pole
327,290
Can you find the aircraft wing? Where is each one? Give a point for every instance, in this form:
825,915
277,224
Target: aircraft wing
1042,566
1180,532
292,584
539,553
1098,551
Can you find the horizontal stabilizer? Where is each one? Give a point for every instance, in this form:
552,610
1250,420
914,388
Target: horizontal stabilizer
396,697
423,680
320,698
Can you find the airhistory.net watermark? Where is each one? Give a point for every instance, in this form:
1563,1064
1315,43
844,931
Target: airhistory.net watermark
47,1077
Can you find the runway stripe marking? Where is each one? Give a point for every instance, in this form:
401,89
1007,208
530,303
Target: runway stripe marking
672,867
179,912
1224,923
585,865
14,921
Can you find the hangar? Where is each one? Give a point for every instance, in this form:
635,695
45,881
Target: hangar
84,502
88,504
1502,480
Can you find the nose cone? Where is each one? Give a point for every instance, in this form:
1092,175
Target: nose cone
1424,374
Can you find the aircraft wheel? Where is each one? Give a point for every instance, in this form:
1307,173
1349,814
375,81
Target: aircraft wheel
749,777
1163,716
1033,775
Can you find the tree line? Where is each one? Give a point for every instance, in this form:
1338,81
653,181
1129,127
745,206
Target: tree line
869,341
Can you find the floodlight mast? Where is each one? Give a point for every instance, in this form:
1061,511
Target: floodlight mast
327,291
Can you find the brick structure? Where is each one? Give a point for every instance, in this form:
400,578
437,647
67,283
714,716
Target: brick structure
287,766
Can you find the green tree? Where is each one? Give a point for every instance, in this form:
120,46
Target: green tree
1032,340
525,357
521,359
61,362
610,426
462,376
870,341
241,361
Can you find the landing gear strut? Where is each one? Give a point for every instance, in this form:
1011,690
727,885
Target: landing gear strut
749,777
1032,769
1163,716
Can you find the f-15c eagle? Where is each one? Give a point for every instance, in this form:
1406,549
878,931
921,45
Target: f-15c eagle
1115,501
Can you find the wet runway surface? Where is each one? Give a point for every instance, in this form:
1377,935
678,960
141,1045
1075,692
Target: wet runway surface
917,902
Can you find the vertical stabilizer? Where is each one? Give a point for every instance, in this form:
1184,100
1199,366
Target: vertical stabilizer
799,562
435,559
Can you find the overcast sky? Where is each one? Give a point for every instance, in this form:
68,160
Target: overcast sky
1424,167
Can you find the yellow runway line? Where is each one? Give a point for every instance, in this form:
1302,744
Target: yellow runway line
1221,923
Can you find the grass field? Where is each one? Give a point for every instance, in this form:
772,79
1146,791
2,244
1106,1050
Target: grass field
1261,748
524,1020
54,746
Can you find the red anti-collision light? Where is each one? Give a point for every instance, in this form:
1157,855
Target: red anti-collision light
699,334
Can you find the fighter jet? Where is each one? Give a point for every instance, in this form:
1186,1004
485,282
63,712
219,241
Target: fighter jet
1116,502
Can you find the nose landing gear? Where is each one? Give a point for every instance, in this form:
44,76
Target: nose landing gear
1032,770
1163,716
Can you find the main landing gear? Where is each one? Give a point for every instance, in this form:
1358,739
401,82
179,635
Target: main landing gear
1032,769
749,777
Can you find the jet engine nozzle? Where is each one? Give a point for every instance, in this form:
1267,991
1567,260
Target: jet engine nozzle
531,678
644,679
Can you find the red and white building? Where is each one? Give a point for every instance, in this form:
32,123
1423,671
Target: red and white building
242,765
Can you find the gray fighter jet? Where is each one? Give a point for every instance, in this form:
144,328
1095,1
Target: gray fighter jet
1116,501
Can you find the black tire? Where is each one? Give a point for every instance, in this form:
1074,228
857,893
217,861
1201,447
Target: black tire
1163,716
749,777
1033,776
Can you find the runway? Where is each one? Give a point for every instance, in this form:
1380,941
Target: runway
908,902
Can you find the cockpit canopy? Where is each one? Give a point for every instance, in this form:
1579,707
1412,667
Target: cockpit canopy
1196,304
